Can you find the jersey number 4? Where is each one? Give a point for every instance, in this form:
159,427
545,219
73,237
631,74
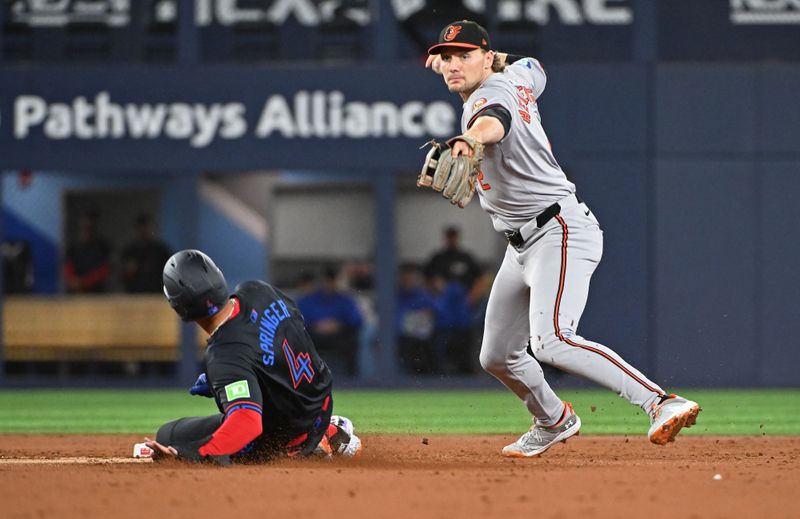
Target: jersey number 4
485,186
299,365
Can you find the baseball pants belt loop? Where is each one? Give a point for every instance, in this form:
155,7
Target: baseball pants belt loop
518,237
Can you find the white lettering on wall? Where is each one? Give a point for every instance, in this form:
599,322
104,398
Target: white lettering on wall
318,114
567,12
765,12
58,13
306,12
326,114
312,13
101,118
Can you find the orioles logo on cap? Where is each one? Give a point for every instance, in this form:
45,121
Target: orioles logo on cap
451,32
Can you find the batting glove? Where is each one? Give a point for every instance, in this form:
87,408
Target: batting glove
201,387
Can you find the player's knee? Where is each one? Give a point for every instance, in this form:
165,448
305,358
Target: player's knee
493,362
549,341
164,434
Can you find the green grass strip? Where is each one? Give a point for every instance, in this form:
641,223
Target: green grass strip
725,412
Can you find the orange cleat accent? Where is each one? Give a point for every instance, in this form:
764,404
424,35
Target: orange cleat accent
669,417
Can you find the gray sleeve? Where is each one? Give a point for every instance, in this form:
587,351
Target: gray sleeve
532,71
489,97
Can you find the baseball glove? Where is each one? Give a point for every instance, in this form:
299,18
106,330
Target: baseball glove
454,177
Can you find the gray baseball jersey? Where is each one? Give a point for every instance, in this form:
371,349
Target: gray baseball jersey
540,291
520,176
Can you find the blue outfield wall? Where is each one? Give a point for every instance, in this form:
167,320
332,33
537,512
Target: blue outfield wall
727,174
692,169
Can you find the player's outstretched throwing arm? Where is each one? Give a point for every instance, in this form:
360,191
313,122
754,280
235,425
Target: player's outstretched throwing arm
454,167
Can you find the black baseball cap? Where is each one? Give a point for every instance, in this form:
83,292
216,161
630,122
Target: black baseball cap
464,34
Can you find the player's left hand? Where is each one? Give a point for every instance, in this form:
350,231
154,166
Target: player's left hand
187,452
160,451
453,173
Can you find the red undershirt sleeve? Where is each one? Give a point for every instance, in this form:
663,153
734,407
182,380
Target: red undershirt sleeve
239,396
241,426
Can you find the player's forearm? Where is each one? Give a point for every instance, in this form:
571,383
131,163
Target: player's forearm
239,429
486,130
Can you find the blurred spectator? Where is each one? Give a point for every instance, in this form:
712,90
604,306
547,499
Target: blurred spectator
333,320
453,263
453,343
87,267
143,259
17,267
306,284
360,275
361,280
415,323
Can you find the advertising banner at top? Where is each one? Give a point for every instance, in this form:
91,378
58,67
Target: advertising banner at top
555,29
562,30
728,30
312,13
220,118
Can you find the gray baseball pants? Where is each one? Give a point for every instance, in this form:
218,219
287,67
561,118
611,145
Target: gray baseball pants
539,295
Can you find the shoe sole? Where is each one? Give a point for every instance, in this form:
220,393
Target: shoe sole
669,430
561,438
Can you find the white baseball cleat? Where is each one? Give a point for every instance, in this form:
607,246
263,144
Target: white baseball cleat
343,423
352,449
344,442
538,439
669,417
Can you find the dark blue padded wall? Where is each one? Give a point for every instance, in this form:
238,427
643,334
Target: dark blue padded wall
778,240
778,272
727,176
705,109
778,118
595,109
704,272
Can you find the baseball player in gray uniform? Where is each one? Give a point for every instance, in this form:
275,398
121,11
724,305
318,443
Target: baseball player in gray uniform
554,243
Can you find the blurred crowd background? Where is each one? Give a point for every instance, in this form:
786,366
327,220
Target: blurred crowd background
281,137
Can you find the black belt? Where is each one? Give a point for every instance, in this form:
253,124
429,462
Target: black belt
516,239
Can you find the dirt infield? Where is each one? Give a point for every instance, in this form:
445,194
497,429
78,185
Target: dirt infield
403,476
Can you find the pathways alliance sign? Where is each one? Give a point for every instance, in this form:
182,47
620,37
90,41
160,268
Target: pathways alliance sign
317,114
225,117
